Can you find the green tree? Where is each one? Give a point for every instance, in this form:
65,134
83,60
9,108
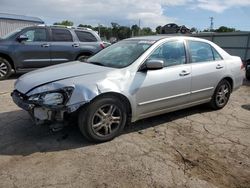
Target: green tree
65,22
225,29
88,26
194,30
135,30
158,29
147,31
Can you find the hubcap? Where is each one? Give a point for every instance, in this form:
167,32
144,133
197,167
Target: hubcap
222,95
3,69
106,120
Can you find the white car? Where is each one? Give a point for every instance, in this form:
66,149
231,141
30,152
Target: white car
131,80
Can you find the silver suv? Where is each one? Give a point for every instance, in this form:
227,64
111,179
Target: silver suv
131,80
40,46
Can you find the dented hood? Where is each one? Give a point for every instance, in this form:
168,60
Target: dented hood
55,73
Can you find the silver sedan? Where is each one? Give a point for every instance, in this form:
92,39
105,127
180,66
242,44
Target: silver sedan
128,81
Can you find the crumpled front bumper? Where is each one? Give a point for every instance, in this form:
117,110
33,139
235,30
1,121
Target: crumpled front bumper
42,114
22,101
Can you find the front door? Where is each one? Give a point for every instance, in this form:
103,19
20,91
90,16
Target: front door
166,88
34,52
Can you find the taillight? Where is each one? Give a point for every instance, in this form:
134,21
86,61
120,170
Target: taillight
242,65
102,46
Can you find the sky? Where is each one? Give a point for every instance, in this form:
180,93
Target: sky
192,13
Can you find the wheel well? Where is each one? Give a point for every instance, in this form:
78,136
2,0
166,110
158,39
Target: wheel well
230,80
84,53
120,97
8,58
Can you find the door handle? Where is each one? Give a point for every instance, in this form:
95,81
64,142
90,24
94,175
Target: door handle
75,45
219,66
45,45
184,73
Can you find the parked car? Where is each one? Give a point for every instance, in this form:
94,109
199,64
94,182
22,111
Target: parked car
172,28
128,81
40,46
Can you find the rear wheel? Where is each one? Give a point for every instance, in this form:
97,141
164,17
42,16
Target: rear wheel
83,58
221,95
103,119
5,69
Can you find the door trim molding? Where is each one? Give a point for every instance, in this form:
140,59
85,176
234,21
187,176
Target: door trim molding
175,96
165,98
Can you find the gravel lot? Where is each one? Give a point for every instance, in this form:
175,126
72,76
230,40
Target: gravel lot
195,147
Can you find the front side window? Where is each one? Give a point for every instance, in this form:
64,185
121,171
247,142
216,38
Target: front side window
61,35
36,35
121,54
172,53
200,51
85,36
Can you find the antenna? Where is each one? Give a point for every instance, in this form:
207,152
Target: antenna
211,23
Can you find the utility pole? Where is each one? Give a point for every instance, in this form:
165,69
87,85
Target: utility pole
211,23
99,30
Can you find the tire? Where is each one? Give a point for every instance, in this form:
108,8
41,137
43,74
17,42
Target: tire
221,95
5,69
83,58
103,119
183,31
248,75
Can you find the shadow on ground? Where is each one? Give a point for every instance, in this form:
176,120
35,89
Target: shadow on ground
19,136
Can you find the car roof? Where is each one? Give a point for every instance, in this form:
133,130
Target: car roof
160,37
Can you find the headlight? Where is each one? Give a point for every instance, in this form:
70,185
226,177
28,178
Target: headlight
52,98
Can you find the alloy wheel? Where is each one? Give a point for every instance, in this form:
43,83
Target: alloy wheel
3,69
106,120
222,95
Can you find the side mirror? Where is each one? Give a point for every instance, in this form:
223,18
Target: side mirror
22,38
154,64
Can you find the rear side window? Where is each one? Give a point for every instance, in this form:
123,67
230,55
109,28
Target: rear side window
61,35
85,36
200,51
217,56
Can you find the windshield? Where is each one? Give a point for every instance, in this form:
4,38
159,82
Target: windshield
121,54
8,35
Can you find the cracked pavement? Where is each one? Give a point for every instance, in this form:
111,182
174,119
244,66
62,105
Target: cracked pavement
195,147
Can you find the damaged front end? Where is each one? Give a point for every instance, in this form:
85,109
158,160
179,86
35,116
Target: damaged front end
45,107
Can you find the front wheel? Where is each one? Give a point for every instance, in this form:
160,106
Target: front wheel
221,95
5,69
103,119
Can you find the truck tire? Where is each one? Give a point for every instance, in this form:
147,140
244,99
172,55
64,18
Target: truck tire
5,69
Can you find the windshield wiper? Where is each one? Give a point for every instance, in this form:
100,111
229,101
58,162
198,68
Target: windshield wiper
96,63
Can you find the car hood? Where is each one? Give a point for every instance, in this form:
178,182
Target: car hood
55,73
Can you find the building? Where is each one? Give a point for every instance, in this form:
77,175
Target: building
11,22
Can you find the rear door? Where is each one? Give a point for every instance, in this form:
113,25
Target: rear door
35,52
208,68
63,47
